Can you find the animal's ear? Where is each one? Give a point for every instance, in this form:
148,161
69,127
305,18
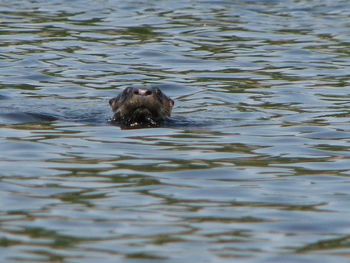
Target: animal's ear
111,101
171,102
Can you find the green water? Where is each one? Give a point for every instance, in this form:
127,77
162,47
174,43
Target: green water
257,169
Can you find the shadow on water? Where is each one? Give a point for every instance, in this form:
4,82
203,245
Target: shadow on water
336,243
90,111
25,117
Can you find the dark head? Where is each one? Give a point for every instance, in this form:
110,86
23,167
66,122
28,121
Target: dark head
137,107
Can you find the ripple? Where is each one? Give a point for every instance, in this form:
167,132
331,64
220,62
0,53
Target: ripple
254,168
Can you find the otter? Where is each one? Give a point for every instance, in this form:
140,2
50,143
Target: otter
141,107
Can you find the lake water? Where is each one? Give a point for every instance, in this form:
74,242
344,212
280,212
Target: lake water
256,170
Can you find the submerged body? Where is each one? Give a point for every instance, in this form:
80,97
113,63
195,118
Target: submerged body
141,107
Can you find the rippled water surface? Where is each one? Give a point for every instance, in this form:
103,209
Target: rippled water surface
256,168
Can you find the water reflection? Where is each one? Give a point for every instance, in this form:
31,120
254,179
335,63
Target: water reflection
255,169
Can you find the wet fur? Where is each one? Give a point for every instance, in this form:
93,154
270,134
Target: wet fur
134,110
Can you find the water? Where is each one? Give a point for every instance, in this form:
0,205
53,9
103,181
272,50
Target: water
256,171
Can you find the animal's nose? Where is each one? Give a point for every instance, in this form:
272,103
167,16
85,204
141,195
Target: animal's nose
142,92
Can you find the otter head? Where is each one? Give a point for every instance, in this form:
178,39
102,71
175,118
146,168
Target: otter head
141,107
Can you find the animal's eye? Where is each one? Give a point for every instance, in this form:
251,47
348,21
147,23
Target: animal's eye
128,89
158,92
